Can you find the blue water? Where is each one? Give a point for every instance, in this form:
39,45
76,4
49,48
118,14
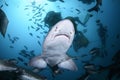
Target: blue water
19,23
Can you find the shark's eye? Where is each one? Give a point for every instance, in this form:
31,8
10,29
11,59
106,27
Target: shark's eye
56,28
70,32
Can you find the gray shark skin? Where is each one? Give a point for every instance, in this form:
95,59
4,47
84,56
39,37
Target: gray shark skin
28,75
55,46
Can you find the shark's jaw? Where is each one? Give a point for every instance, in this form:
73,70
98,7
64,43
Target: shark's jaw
62,35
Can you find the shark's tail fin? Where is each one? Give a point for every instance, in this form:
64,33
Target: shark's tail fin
38,62
95,8
68,64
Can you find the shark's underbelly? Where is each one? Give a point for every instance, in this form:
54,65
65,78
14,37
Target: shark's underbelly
55,59
55,52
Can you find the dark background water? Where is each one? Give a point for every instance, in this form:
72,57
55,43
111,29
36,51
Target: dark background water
20,11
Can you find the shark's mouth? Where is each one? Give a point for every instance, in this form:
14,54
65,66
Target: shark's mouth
65,35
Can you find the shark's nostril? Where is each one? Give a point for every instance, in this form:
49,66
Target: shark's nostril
56,28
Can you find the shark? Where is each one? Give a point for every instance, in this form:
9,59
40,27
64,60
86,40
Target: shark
10,69
6,66
55,46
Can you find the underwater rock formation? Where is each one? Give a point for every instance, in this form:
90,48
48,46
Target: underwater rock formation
3,22
80,41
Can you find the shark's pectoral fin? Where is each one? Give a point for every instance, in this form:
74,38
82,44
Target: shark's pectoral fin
68,64
38,62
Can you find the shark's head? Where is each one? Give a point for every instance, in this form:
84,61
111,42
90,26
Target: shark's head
64,29
61,35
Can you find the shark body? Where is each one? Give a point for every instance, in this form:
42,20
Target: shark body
55,46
